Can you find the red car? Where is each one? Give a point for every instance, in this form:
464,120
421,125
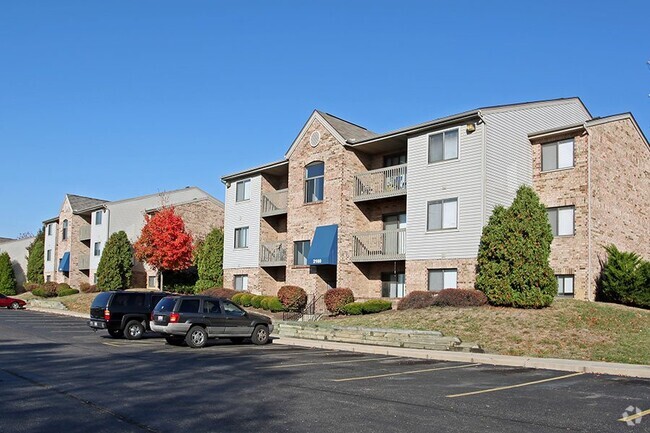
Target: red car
13,303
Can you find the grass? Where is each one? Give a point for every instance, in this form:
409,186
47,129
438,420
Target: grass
568,329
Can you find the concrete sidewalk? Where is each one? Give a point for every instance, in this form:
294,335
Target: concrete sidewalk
630,370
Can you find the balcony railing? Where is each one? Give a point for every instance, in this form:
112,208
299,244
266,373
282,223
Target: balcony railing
84,233
273,254
379,246
84,263
380,183
274,202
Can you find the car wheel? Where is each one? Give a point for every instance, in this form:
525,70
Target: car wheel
174,340
115,333
15,305
260,335
134,330
196,337
237,340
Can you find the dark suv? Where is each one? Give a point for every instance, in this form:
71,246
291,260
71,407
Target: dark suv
123,313
194,319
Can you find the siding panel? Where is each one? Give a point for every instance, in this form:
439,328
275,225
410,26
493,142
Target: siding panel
242,214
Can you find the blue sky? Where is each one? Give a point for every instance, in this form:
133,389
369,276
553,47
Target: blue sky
115,99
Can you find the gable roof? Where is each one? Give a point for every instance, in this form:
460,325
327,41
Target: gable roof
348,130
79,203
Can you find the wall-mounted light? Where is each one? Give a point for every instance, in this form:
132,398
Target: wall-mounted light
470,127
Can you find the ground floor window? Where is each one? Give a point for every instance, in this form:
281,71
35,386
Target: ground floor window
564,285
48,278
151,281
241,282
393,284
442,279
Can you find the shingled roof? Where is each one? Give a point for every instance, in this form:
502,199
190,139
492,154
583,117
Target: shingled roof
349,131
80,203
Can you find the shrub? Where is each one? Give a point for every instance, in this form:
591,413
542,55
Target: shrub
460,298
35,259
63,286
245,300
220,293
88,288
202,285
116,263
275,305
7,277
47,290
513,259
184,289
66,292
624,279
293,298
416,299
335,299
353,308
256,301
236,298
31,286
209,260
376,306
264,303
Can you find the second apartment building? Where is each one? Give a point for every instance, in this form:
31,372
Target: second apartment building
384,214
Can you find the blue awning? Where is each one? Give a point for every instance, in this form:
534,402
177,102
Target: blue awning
64,264
324,246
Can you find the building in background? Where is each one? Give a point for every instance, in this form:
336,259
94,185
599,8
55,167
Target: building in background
385,214
75,239
17,250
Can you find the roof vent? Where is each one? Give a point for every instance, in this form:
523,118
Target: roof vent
314,139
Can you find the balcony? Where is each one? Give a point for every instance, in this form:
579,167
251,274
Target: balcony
380,183
84,263
274,203
379,246
84,233
273,254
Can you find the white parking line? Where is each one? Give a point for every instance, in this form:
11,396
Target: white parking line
346,361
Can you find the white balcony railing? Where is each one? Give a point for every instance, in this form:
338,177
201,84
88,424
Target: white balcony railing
380,183
274,202
84,263
379,246
273,254
84,233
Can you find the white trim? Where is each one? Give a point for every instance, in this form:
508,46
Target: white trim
442,131
303,131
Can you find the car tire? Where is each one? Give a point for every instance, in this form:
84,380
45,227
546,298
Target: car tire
196,337
116,333
134,330
237,340
14,305
260,335
174,340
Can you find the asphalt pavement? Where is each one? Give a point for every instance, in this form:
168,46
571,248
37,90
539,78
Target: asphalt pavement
57,375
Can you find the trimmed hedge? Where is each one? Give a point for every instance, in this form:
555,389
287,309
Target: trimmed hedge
376,306
336,299
47,290
220,293
88,288
236,298
293,298
353,309
264,303
460,298
256,301
416,299
66,292
624,279
245,300
274,305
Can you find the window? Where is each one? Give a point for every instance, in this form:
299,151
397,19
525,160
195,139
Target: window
48,255
443,146
48,278
392,160
442,279
241,237
232,310
314,182
97,250
211,307
300,252
98,218
241,282
557,155
49,229
189,306
562,220
564,285
152,281
95,279
243,190
64,231
393,284
442,214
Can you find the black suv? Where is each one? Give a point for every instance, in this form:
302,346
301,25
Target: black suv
194,319
123,313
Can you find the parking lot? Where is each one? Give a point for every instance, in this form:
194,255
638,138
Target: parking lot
57,375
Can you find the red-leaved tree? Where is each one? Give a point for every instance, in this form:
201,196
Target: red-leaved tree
164,244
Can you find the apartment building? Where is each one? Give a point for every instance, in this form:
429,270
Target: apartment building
338,211
74,240
17,250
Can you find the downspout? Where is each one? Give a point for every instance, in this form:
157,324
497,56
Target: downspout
589,233
483,169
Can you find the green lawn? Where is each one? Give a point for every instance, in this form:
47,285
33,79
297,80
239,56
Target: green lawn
568,329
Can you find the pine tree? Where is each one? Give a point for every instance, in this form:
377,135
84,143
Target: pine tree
7,277
210,261
35,259
116,264
513,259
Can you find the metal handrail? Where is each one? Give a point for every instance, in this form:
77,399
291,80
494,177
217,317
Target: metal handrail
379,183
274,202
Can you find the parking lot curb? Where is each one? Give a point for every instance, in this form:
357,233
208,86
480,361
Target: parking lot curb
616,369
59,312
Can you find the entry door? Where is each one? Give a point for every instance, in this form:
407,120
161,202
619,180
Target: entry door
395,241
393,284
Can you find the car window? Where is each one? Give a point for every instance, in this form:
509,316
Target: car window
166,304
232,310
101,300
119,300
211,307
136,300
2,296
189,306
155,299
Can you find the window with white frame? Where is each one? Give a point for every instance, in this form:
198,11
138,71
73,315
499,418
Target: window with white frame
152,281
48,255
442,279
64,230
564,285
443,146
300,252
49,229
98,218
97,250
48,278
241,282
442,214
243,190
241,237
557,155
314,182
562,220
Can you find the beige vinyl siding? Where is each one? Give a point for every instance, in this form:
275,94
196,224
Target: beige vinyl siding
460,178
508,159
242,214
50,244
